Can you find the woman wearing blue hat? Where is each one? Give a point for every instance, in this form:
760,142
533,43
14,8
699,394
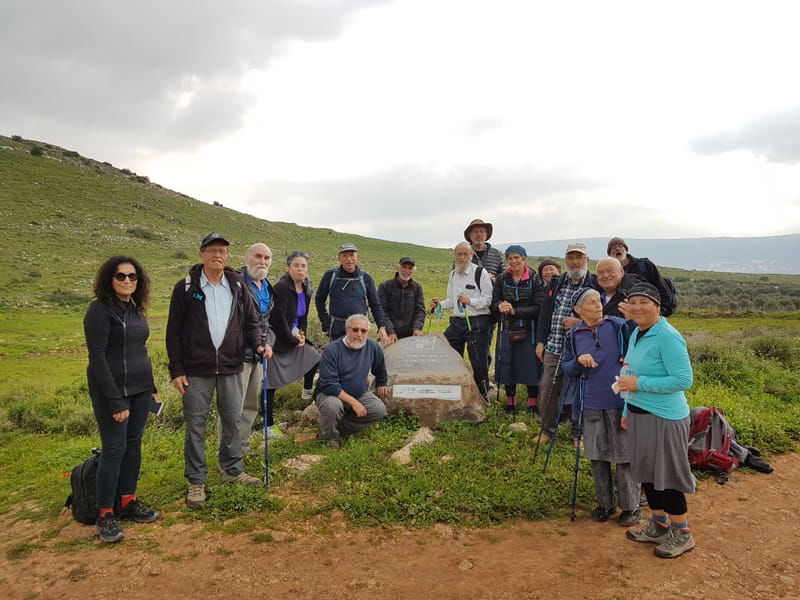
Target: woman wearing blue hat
517,299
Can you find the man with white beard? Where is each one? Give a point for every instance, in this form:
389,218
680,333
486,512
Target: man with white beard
259,260
344,402
555,320
469,296
403,302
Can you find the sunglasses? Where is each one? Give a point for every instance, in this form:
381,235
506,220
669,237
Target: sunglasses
124,276
358,329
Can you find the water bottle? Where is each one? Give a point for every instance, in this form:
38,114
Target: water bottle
624,371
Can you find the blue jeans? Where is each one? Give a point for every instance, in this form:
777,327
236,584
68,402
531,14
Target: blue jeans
118,471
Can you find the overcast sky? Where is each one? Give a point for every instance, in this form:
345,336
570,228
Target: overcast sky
405,119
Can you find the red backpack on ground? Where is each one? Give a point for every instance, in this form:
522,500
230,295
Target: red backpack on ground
710,440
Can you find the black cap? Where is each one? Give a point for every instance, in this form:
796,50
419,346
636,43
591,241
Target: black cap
213,237
407,260
644,289
347,247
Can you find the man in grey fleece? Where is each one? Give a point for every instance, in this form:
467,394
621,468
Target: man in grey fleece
345,405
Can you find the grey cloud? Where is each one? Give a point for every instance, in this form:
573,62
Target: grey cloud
118,69
423,203
775,137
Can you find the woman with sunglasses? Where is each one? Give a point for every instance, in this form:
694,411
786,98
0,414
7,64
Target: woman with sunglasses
591,358
293,356
121,387
517,299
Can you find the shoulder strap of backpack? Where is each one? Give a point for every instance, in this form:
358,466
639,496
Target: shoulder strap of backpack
187,283
478,273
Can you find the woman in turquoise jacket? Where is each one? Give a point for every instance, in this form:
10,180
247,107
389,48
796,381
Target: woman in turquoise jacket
657,418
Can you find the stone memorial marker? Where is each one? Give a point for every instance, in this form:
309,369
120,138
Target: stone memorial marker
429,379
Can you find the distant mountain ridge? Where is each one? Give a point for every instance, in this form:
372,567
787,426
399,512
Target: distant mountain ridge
778,254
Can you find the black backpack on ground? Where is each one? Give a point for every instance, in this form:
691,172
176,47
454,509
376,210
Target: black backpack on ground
83,499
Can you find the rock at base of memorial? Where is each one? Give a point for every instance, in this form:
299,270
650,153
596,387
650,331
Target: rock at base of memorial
427,378
310,415
422,436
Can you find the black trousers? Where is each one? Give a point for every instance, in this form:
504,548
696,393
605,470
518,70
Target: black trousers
118,471
476,342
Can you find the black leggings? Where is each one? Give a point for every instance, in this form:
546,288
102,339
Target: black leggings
671,502
511,390
308,382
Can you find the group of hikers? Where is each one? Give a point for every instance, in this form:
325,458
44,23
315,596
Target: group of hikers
593,350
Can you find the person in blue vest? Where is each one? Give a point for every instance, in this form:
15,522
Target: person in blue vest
348,290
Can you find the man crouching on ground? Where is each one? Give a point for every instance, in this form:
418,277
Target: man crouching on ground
211,319
345,405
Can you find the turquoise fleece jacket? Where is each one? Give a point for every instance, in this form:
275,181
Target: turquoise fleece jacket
661,362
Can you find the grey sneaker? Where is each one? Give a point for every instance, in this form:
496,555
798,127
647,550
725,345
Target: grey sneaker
306,394
242,478
196,495
108,529
629,518
649,532
678,541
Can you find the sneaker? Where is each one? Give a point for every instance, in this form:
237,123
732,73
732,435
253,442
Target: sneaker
601,514
333,444
649,532
274,432
642,499
678,541
629,518
108,529
242,478
196,495
138,512
306,394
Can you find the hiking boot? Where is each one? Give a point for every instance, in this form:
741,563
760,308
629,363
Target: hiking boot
196,495
242,478
601,514
511,409
642,499
108,529
333,444
650,532
678,541
533,410
629,518
306,394
138,512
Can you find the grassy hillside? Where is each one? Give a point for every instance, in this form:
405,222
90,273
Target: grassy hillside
63,213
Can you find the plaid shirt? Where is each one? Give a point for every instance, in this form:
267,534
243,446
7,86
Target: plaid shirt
562,308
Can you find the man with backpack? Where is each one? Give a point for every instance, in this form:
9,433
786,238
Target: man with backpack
403,302
348,290
212,319
645,268
469,296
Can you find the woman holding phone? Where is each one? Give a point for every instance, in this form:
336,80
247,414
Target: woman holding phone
121,387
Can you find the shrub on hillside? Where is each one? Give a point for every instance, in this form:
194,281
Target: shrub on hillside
70,154
141,179
773,347
16,138
142,233
37,151
67,297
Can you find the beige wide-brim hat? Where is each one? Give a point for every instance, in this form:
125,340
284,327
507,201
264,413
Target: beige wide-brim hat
477,223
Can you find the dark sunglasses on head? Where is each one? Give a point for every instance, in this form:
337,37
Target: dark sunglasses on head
124,276
359,329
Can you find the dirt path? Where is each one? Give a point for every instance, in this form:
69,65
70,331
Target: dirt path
748,546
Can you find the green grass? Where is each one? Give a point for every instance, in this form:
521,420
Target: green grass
63,215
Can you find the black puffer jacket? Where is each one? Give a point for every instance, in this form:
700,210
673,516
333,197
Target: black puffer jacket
526,296
189,346
404,307
118,362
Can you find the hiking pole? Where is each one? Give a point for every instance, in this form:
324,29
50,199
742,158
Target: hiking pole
578,447
546,415
266,427
499,353
471,344
552,441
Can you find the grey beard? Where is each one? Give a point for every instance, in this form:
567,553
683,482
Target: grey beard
354,345
461,269
259,272
575,275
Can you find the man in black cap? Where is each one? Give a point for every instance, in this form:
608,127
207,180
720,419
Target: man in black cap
403,302
645,268
348,290
212,318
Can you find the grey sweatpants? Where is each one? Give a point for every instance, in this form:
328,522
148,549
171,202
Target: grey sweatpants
336,418
196,404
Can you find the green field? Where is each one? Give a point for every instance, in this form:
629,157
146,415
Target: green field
63,214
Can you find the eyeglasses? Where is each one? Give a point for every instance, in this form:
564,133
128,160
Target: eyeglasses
596,339
220,251
123,276
358,329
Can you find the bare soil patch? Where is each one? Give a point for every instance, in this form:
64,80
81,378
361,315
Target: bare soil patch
748,546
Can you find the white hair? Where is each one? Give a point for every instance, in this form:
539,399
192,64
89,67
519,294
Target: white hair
611,259
356,317
585,295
